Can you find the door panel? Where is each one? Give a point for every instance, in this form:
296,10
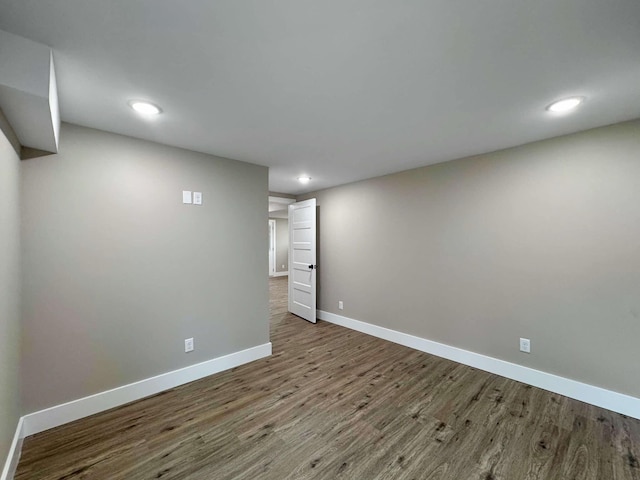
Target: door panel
302,259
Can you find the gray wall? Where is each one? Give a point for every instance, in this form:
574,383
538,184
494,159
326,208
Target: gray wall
540,241
282,244
9,293
118,272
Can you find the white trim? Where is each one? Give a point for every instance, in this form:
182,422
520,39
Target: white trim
280,274
83,407
13,456
617,402
272,247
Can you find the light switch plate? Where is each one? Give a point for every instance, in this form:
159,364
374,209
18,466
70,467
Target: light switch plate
186,196
197,198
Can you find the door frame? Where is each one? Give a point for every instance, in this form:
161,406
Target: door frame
272,247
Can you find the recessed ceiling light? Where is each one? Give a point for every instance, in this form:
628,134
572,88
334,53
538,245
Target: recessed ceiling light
565,104
304,179
146,108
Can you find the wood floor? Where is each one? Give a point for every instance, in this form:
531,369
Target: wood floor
336,404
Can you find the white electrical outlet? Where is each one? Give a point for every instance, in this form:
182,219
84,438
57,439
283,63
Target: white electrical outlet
525,345
188,345
341,305
197,198
283,265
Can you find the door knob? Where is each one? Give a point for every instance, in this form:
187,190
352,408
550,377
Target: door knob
311,267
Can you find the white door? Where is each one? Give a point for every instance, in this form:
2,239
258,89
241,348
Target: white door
302,259
272,247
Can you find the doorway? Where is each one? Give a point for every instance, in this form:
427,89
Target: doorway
279,236
278,258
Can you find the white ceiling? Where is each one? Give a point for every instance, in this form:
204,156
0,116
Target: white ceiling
339,89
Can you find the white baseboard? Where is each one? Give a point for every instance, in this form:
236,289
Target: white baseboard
617,402
280,274
13,456
83,407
